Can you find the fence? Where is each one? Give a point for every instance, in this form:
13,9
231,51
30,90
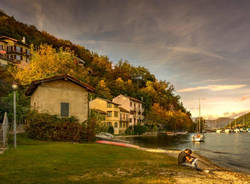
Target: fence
4,130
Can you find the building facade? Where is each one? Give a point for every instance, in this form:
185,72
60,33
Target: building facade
64,96
124,120
112,113
13,51
133,106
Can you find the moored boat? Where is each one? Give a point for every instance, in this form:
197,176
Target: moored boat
237,130
227,131
219,131
198,138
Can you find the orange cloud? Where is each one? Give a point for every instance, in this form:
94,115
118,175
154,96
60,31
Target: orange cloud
213,88
245,98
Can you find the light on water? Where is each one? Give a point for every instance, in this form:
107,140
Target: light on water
227,150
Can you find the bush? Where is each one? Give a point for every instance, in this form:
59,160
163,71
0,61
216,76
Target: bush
136,130
139,129
129,130
49,127
111,130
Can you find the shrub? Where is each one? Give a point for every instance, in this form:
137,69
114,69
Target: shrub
139,129
111,130
50,127
136,130
129,130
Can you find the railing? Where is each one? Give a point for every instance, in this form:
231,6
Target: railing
4,130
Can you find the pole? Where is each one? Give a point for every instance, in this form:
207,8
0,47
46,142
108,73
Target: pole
199,122
14,106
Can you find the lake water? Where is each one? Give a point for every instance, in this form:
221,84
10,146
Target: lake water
227,150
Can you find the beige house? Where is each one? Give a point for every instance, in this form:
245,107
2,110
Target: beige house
112,112
63,95
133,106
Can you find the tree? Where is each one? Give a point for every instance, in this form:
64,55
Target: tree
102,90
47,62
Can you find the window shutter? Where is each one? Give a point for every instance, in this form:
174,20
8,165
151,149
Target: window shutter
65,109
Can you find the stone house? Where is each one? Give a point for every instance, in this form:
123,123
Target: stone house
62,95
112,112
133,106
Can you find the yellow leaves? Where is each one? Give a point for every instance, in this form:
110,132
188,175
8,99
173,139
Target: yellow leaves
47,62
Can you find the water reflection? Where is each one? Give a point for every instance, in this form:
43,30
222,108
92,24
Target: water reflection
229,150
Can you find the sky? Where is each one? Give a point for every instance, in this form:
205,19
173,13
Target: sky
200,46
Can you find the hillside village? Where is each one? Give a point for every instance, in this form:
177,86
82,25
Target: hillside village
120,110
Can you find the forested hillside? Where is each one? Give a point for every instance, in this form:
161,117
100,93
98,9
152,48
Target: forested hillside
109,79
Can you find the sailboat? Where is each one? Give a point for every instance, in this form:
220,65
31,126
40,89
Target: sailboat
198,137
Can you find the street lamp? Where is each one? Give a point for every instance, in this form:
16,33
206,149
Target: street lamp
14,87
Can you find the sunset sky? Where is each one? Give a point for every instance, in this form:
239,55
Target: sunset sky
201,46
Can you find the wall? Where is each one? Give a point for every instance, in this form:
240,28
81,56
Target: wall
48,96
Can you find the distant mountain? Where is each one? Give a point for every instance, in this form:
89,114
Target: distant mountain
241,121
218,123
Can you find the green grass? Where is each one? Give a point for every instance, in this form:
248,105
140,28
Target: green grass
59,162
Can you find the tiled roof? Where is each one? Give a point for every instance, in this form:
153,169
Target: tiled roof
35,84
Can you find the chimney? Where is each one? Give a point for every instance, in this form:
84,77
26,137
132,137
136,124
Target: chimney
24,39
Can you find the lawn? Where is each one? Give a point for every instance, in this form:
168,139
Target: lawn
59,162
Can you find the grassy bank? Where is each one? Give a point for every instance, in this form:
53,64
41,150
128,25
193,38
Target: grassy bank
58,162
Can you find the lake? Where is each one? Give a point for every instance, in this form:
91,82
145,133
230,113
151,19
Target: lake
227,150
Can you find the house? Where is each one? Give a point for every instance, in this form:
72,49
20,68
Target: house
13,51
62,95
112,112
133,106
124,120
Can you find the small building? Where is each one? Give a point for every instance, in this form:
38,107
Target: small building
13,51
112,112
133,106
62,95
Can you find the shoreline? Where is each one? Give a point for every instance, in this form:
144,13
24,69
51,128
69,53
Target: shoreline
211,172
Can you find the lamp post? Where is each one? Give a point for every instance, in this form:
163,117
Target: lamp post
14,87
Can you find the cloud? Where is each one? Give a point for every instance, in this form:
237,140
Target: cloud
245,98
213,88
193,50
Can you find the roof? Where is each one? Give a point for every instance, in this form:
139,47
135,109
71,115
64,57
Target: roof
35,84
133,99
109,101
123,110
99,111
14,40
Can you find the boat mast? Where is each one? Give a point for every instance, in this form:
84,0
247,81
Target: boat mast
199,122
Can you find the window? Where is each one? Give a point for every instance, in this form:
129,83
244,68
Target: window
1,47
116,124
27,51
9,48
131,104
109,105
64,109
109,124
130,120
116,114
18,49
116,106
18,57
120,124
126,117
109,114
124,125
